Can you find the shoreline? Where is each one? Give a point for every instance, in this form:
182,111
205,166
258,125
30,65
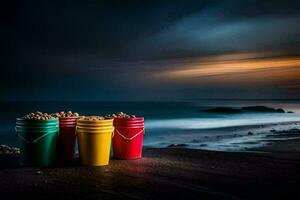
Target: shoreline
265,132
235,138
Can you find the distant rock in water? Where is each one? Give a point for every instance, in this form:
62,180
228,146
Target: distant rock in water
227,110
178,145
262,109
230,110
290,112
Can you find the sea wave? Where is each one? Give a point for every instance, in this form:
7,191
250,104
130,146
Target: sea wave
207,123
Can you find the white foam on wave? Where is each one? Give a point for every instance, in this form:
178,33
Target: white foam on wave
237,143
217,141
206,123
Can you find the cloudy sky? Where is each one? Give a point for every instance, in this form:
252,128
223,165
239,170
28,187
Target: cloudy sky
150,50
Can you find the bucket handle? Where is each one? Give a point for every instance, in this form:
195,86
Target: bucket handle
127,138
33,141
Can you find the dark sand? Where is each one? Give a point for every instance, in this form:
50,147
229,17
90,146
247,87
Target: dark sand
273,172
161,174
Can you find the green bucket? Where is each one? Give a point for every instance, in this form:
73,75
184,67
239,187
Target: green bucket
37,143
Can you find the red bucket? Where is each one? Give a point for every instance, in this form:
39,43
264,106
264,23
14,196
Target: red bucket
67,137
128,138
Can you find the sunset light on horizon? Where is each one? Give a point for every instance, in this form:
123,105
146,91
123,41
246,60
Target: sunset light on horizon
229,67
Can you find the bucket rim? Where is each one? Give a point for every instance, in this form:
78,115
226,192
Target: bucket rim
95,131
68,122
95,121
131,119
128,121
35,120
68,118
94,124
92,127
123,127
118,122
95,128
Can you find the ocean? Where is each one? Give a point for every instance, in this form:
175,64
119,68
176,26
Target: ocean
183,124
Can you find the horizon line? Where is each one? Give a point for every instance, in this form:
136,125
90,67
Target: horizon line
183,100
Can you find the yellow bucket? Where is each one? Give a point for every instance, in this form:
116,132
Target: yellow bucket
94,142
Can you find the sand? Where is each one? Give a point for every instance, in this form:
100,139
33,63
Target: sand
270,172
161,173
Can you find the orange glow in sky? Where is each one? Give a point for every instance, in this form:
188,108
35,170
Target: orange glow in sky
233,67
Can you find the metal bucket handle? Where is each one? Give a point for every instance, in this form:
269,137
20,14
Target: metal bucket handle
129,138
33,141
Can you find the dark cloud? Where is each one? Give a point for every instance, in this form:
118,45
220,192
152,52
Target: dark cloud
71,49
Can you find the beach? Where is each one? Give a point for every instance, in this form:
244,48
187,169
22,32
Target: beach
161,173
150,100
187,154
269,172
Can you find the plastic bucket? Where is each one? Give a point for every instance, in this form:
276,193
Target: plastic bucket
128,138
37,143
67,138
94,139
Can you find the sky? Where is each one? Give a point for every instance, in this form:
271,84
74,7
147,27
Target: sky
150,50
